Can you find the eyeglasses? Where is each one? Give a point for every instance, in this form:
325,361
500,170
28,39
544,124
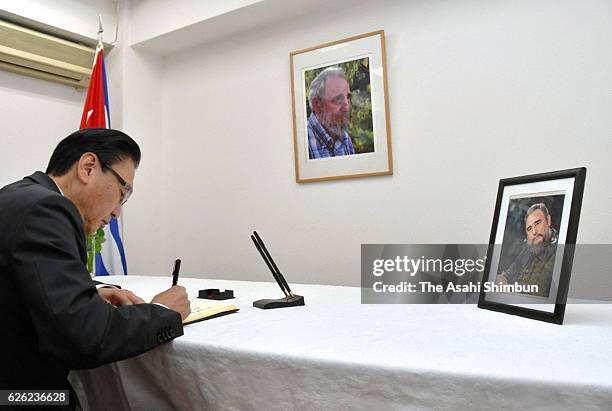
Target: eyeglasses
341,99
124,185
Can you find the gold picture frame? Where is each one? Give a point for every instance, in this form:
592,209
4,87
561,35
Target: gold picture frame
346,133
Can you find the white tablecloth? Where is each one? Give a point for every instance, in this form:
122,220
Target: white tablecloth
335,353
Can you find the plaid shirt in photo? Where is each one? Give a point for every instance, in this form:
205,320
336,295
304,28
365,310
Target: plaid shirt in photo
321,144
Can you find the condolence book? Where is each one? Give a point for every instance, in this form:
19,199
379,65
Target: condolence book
203,310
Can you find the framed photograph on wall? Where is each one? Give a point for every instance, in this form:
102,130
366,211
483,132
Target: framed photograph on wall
530,254
340,109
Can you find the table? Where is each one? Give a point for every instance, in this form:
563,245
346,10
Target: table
336,353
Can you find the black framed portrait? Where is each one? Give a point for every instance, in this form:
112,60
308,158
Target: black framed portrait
531,246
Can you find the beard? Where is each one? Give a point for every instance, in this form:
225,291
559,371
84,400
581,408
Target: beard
537,248
336,125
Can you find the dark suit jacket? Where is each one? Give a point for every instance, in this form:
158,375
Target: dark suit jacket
51,315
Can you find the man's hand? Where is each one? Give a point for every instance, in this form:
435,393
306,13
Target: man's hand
119,297
174,298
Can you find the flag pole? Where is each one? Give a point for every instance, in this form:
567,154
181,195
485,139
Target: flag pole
109,259
100,31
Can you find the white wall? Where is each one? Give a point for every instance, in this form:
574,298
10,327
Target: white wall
478,91
35,115
165,26
74,19
135,89
153,18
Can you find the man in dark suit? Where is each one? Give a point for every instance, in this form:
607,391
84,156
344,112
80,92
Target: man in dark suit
54,317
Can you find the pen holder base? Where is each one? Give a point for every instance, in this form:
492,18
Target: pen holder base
280,303
215,294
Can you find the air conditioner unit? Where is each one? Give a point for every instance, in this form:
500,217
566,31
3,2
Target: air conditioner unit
46,57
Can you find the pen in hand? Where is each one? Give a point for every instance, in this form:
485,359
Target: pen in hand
175,272
175,298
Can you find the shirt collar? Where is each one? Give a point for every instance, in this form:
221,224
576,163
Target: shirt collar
58,187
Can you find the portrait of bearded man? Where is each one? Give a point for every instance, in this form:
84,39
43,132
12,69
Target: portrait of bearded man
535,261
330,100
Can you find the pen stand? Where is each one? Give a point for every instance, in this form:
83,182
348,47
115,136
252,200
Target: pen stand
280,303
215,294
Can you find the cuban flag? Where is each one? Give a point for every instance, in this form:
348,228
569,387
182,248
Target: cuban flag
96,114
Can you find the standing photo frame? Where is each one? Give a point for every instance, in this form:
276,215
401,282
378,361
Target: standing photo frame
531,247
340,109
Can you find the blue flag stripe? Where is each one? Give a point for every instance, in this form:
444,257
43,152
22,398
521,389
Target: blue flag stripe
106,105
100,268
114,229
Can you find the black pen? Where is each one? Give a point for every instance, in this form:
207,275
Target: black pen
275,268
175,272
278,281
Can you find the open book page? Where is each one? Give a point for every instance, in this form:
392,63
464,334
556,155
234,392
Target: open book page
204,309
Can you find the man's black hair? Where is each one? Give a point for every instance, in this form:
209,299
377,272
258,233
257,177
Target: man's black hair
111,146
